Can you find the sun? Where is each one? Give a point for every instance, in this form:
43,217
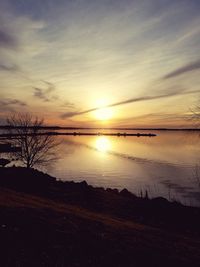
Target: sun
103,112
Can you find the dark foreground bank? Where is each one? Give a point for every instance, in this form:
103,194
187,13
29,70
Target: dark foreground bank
44,222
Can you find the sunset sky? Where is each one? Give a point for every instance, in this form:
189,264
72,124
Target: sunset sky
130,63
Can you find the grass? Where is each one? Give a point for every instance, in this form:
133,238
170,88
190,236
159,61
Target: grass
44,222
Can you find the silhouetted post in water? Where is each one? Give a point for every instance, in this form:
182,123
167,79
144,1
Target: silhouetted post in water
146,195
37,148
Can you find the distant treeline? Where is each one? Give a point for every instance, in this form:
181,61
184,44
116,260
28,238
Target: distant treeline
15,135
103,128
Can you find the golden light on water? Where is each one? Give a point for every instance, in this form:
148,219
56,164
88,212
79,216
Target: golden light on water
102,144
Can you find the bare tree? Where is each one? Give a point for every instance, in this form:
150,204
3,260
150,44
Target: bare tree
36,147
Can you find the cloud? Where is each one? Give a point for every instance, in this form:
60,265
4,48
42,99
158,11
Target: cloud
45,94
7,40
9,104
128,101
48,95
39,93
19,38
10,68
124,47
193,66
68,105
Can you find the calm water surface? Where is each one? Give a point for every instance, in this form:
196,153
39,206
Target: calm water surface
167,165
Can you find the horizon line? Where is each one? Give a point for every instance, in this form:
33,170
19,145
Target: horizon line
109,128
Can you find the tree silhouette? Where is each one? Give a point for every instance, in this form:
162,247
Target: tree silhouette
37,148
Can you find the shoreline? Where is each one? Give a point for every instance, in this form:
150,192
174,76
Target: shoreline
33,181
44,220
81,134
108,128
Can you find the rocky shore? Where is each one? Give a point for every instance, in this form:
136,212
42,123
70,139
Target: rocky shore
47,222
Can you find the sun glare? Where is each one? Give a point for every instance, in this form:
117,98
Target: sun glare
102,144
103,112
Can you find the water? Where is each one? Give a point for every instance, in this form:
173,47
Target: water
167,165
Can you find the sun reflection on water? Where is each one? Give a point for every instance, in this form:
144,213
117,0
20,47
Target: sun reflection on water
102,144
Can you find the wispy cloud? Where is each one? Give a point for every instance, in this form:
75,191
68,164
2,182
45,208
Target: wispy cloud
10,68
9,101
103,49
9,104
128,101
45,94
193,66
6,39
69,105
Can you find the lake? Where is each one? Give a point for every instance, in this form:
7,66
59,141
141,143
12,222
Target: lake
167,165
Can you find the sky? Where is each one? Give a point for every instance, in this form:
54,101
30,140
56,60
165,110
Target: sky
107,63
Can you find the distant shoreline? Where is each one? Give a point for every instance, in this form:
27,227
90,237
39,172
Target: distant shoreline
80,134
107,128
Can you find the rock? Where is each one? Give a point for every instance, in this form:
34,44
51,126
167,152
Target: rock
126,193
4,162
